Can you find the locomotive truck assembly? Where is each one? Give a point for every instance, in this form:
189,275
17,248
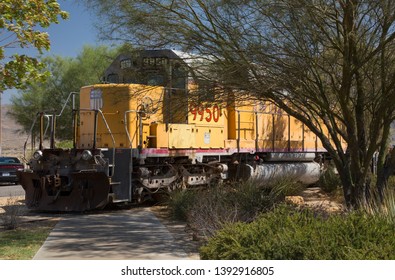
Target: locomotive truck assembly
149,129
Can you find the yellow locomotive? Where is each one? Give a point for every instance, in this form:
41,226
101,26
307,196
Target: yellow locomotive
150,129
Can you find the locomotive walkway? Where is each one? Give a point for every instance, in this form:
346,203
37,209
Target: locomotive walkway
128,234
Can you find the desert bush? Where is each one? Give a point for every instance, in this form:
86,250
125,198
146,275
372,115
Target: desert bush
291,234
180,201
10,218
207,211
224,204
391,182
385,208
329,181
279,188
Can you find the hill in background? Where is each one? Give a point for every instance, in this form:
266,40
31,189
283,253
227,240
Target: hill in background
12,140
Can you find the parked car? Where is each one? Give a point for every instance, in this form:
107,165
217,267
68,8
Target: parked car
8,168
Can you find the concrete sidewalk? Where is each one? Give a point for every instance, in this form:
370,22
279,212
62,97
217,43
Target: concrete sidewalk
119,235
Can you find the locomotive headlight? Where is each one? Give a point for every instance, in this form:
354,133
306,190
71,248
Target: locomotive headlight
38,155
86,155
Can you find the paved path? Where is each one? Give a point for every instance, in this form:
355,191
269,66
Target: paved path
118,235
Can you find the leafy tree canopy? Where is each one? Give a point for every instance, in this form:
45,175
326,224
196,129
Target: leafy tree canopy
21,26
66,75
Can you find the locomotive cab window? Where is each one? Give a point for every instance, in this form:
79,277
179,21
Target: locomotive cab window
113,78
179,76
126,64
153,67
154,79
206,92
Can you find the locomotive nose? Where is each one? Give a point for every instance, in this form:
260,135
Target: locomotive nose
84,191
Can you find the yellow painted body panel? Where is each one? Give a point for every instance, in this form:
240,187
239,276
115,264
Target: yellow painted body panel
116,100
186,136
172,121
180,136
209,137
266,127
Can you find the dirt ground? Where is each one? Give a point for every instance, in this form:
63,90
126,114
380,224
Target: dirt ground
311,197
317,199
16,201
13,210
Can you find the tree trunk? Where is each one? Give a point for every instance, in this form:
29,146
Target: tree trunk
386,171
356,185
347,184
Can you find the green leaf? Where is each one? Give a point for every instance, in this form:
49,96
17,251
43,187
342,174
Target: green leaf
21,25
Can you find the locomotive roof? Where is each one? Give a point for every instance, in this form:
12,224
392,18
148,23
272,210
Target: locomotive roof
148,53
126,62
187,58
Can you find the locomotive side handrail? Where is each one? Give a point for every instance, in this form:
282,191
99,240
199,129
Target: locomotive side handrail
96,111
31,133
73,93
44,132
138,112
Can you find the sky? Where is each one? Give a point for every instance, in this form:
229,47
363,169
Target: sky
69,36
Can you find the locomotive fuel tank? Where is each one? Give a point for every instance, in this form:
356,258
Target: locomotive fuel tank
306,173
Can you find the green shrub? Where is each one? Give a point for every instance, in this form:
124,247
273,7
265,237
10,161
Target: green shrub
291,234
208,210
65,144
329,182
180,202
282,187
224,204
391,182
